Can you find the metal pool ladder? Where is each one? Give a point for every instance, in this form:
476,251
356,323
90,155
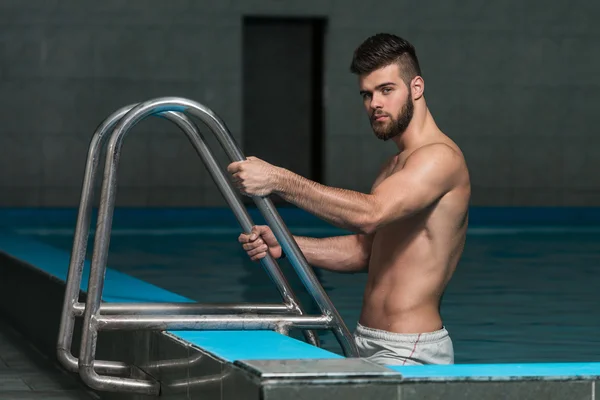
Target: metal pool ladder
99,316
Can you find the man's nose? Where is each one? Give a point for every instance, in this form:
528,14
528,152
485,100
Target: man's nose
376,102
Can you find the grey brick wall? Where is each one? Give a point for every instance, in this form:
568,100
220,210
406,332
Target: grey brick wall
516,84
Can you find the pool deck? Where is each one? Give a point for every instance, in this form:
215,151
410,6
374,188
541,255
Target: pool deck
265,364
27,374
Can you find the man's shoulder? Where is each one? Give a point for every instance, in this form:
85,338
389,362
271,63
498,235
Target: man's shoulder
442,162
438,152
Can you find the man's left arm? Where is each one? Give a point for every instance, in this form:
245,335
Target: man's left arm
427,175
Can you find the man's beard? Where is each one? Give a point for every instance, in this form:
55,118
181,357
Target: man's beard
387,130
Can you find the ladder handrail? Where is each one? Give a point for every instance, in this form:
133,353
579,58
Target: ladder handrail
283,235
78,252
77,309
71,306
119,315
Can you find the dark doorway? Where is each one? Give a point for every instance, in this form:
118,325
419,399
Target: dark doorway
283,92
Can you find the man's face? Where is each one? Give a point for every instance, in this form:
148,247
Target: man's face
387,100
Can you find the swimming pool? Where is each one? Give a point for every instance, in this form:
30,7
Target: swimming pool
526,289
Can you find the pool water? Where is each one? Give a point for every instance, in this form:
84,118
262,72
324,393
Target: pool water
520,293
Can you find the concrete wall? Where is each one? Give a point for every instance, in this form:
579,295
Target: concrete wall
514,83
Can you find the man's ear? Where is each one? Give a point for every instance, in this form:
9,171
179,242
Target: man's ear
417,87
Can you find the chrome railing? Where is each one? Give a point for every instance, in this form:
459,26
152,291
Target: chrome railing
114,375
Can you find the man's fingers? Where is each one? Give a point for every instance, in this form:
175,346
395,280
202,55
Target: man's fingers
253,245
255,233
252,237
262,229
233,167
236,178
259,256
258,250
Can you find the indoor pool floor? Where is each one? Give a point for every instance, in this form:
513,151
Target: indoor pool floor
27,374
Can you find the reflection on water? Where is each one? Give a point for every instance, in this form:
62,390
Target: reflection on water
515,298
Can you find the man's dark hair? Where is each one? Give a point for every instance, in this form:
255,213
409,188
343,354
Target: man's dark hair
383,49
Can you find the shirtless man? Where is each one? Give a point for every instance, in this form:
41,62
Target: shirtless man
408,232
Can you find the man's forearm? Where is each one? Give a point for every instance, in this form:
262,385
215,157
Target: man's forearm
349,253
343,208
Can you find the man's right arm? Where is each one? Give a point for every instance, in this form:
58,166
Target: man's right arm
348,253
